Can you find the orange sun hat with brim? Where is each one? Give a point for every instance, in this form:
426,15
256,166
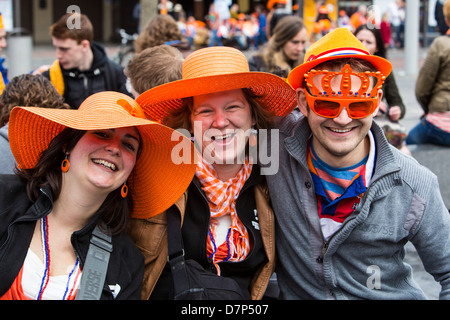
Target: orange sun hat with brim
216,69
338,44
156,181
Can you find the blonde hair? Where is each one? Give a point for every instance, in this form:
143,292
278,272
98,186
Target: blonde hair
159,30
154,66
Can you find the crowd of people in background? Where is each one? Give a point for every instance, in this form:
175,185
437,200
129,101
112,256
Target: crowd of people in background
244,30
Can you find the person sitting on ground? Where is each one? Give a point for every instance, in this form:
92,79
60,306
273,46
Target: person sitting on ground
433,92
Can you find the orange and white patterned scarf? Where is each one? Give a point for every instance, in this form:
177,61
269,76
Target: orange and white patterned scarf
222,197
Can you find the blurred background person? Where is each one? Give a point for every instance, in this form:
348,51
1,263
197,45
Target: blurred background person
284,50
27,91
433,92
82,67
3,71
162,29
392,108
153,67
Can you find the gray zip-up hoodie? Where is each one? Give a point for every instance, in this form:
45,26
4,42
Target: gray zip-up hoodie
364,259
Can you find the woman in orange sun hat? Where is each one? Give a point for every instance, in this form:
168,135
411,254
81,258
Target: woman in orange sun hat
228,224
79,173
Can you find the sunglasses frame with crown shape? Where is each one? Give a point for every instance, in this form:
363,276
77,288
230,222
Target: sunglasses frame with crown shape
329,103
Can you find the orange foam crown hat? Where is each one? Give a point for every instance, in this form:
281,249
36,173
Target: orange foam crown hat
338,44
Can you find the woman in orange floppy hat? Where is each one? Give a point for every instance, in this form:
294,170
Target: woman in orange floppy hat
228,224
76,170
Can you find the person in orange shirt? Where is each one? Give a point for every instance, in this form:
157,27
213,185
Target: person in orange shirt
359,17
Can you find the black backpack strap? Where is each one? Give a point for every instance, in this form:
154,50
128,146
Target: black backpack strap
96,266
175,256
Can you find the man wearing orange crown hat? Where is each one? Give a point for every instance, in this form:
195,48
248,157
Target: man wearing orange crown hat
3,71
346,202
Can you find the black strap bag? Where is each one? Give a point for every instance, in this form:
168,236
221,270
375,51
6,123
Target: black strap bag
96,266
191,281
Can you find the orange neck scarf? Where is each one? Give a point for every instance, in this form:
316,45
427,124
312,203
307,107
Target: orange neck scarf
222,197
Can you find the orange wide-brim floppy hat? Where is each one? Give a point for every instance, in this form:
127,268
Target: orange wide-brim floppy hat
216,69
156,181
338,44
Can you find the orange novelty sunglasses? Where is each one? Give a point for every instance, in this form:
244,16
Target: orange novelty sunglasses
329,104
332,107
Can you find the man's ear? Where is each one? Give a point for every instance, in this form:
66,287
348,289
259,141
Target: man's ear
380,98
301,101
86,44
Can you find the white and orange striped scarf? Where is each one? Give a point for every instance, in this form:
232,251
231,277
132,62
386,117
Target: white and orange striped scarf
222,197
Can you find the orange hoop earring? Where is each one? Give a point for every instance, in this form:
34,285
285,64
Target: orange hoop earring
253,140
124,191
65,165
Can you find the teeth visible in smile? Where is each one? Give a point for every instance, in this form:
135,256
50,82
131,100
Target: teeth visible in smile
226,136
105,163
340,130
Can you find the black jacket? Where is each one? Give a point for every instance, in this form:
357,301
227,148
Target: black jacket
104,75
195,233
18,216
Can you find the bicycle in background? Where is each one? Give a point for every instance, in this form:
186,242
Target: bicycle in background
126,51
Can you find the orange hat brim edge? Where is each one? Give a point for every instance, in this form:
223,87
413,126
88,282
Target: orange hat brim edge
156,182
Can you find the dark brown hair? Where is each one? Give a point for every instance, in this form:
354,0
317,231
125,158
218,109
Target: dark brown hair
357,65
381,49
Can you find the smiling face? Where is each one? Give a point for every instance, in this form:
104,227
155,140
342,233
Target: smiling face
103,159
340,141
221,123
